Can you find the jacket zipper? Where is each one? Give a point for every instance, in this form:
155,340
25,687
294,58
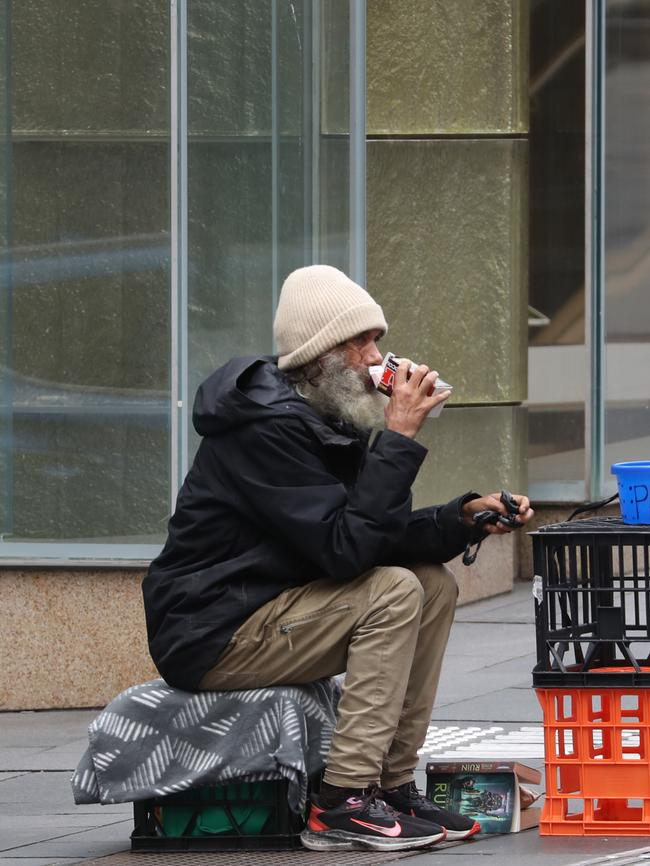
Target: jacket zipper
288,627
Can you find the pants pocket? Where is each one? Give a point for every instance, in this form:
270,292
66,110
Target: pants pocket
300,621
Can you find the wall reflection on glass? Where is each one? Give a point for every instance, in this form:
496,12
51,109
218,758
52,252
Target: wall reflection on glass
627,233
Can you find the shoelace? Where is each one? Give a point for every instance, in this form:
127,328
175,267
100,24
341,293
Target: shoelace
373,801
415,795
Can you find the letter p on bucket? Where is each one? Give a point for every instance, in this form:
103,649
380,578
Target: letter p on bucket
634,490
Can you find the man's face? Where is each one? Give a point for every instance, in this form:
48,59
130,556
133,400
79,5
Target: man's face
343,388
361,352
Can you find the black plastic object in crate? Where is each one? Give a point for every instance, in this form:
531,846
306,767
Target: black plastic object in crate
237,816
592,603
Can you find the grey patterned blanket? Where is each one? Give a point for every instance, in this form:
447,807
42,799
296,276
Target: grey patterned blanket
153,740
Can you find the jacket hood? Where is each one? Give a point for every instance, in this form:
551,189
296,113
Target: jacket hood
245,390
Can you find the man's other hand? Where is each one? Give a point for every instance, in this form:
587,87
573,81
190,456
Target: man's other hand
493,503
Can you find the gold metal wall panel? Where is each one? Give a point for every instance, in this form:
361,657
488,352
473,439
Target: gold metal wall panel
479,448
447,253
440,67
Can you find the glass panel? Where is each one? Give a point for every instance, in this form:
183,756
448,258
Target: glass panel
627,234
557,362
267,182
85,372
85,176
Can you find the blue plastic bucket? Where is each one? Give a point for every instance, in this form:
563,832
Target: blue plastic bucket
634,490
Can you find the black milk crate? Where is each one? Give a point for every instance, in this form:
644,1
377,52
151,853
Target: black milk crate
592,603
245,816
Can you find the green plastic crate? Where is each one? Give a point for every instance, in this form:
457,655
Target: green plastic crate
239,815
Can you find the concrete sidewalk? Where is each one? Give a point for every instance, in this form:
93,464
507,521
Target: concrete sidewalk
486,707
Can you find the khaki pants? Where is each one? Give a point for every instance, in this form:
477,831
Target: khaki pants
387,629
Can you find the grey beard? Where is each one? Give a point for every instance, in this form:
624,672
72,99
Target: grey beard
340,392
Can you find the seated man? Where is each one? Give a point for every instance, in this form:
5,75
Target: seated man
294,554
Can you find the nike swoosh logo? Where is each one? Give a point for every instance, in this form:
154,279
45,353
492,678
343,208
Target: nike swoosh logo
395,830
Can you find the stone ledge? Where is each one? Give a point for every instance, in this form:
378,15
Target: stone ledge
70,638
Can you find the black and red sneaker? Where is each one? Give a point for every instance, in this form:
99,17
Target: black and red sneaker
406,798
366,822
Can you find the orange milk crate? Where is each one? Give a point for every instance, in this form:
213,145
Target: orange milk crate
592,618
597,757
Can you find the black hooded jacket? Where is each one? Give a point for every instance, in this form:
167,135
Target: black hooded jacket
277,497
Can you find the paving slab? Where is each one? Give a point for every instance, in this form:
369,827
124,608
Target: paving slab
20,830
15,760
79,844
486,680
487,644
57,758
530,849
44,728
39,861
38,796
4,777
509,704
515,607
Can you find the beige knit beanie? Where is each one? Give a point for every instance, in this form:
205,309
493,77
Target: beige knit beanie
319,308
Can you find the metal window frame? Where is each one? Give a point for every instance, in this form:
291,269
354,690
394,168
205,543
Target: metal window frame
179,248
595,27
357,109
312,127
